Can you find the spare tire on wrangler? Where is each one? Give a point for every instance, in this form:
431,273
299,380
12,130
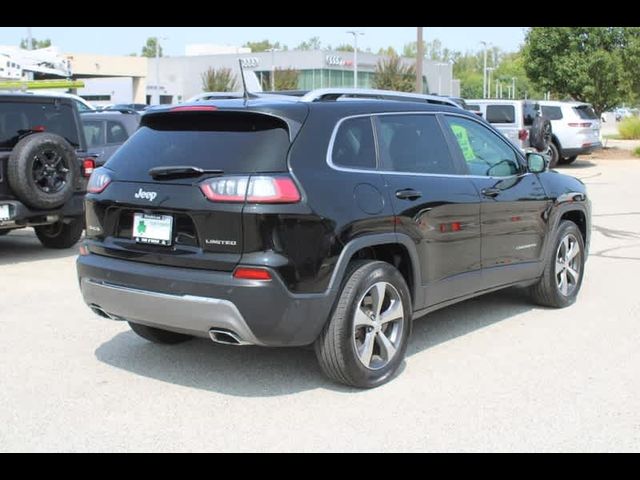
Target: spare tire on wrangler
42,170
540,134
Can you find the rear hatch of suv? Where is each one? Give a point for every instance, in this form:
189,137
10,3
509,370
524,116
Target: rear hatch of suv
176,190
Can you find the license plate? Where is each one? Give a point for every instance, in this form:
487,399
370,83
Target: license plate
152,229
4,212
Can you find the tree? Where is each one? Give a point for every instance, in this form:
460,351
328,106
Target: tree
286,79
218,80
312,44
36,43
392,74
264,46
149,50
389,51
590,64
344,47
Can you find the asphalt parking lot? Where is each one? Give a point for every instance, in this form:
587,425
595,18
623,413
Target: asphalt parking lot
490,374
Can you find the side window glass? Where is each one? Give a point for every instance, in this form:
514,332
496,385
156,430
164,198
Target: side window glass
414,144
485,153
116,133
501,114
93,133
354,146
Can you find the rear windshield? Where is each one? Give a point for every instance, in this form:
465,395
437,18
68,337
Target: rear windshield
501,114
228,141
585,112
18,119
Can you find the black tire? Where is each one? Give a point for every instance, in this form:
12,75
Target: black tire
336,348
61,234
547,291
157,335
568,160
554,155
540,134
42,170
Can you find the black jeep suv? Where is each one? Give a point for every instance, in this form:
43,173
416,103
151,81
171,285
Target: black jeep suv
43,169
284,221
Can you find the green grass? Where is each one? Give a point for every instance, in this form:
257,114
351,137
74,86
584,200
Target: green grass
636,152
629,128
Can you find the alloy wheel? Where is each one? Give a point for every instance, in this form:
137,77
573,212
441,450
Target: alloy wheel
568,265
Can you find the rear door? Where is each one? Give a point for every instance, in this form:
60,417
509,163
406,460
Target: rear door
169,220
513,205
434,202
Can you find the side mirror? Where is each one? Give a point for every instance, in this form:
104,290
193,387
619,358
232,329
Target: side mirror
536,162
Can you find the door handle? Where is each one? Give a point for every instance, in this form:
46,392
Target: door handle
408,194
490,192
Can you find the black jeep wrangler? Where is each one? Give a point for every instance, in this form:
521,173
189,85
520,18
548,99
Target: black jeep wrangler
43,169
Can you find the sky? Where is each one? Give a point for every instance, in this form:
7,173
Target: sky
126,40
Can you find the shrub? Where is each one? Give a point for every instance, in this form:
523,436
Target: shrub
629,128
636,152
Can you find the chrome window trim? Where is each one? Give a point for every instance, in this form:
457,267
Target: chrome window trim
334,133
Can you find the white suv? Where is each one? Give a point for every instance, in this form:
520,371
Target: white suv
576,129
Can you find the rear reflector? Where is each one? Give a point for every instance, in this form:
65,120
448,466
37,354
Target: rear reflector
246,273
253,189
194,108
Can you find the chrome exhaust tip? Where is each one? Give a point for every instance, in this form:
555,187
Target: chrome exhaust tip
226,337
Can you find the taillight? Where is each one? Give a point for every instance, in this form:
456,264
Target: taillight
98,181
580,125
254,189
249,273
523,134
88,166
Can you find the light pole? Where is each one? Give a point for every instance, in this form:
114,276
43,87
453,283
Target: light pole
489,70
440,65
158,65
419,59
484,71
273,67
355,56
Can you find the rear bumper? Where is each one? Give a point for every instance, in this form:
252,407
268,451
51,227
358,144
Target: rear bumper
583,150
194,301
23,216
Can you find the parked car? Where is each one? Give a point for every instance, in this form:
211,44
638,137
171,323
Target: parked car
81,104
44,167
518,120
289,221
138,107
576,129
106,131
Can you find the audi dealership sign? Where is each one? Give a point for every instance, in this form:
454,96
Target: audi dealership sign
249,62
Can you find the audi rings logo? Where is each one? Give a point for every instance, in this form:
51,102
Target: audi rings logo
249,62
334,60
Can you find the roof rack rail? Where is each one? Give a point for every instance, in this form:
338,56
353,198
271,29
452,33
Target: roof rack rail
329,94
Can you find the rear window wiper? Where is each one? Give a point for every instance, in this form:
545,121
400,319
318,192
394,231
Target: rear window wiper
180,171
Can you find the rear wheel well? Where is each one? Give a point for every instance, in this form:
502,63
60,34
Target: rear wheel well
577,217
394,254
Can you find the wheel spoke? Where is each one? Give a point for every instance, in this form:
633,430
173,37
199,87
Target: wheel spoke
559,267
574,274
378,297
394,312
565,248
366,352
362,319
387,350
564,287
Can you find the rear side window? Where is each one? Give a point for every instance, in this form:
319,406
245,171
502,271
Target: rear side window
116,133
585,112
473,108
18,118
414,144
552,113
354,146
230,141
501,114
93,132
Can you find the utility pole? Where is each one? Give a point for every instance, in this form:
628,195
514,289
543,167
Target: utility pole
419,59
273,68
489,70
355,56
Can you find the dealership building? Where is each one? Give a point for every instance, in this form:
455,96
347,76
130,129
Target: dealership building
177,78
